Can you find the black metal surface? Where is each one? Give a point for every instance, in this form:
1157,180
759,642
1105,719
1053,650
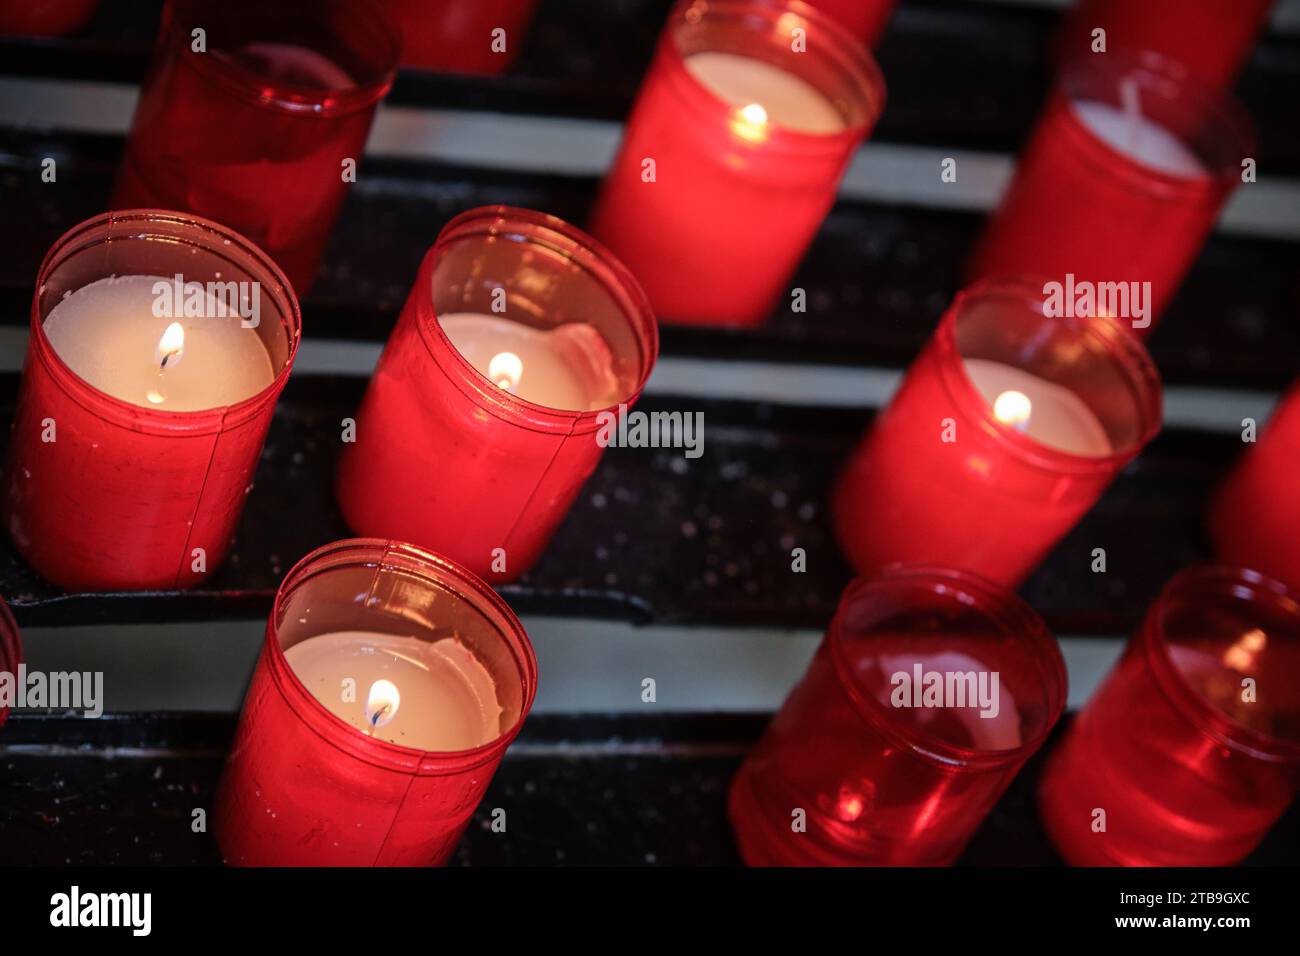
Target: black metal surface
655,537
577,790
959,74
876,278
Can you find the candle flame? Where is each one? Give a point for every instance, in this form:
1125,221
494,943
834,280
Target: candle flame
171,345
506,369
1241,655
382,704
750,122
1013,408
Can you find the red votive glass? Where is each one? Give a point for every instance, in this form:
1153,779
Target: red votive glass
262,131
733,154
461,36
45,18
305,785
929,692
1213,38
1120,183
11,651
1190,749
865,19
1255,516
103,492
1005,430
471,465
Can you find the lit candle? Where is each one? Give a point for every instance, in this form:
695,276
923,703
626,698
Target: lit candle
425,677
569,366
430,695
1043,410
1006,429
733,154
145,400
109,334
481,421
765,93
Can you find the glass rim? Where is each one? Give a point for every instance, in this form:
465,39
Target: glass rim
306,101
998,605
1229,115
435,568
868,87
567,240
1190,704
208,234
1126,349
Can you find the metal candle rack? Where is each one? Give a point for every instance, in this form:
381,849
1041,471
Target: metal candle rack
654,538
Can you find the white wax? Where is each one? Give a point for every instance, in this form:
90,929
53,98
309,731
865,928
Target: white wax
1139,138
788,100
568,367
447,702
1056,416
107,334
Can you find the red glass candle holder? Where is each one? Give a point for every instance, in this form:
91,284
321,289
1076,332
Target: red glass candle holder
1255,516
460,35
302,786
711,200
103,494
862,766
1082,207
865,19
445,457
11,650
1189,751
1213,38
257,131
949,475
45,18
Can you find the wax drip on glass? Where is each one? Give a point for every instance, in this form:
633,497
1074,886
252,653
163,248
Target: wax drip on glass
382,704
1013,408
168,352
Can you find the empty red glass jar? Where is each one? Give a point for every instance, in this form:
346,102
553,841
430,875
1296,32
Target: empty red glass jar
263,128
304,787
105,494
447,457
733,155
1005,430
45,18
1255,517
865,766
1212,38
1189,751
1121,181
11,650
462,36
